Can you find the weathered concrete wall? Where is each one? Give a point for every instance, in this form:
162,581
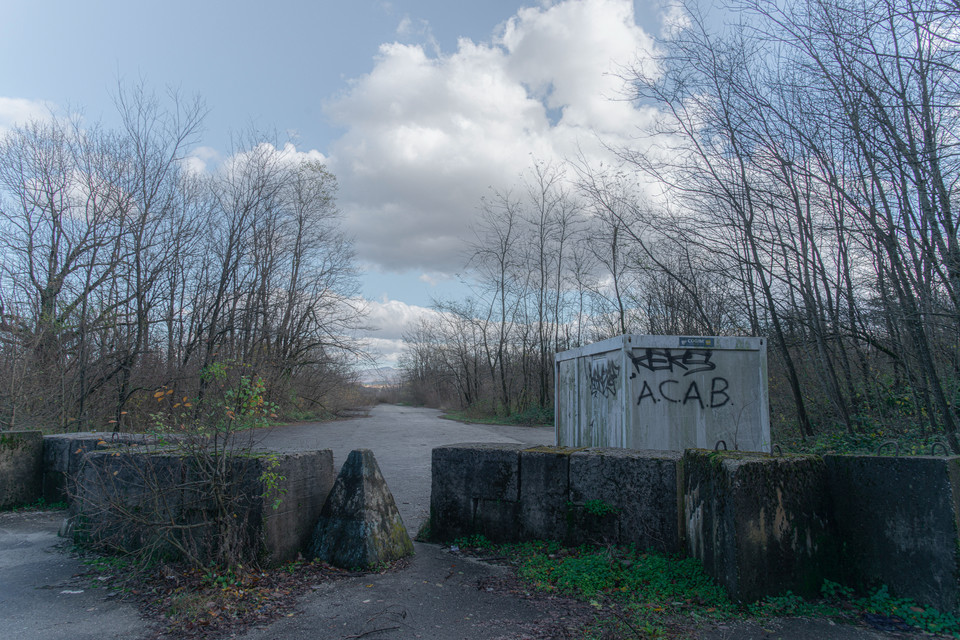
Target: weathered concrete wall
641,489
85,464
475,489
63,453
124,498
544,493
21,468
899,523
760,525
508,493
287,530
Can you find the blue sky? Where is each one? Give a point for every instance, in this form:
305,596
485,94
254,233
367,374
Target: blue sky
419,106
274,64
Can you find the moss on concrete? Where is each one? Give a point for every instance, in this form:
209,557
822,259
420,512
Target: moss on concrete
563,451
12,441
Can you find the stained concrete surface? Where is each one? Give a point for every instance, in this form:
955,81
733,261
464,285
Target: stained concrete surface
360,525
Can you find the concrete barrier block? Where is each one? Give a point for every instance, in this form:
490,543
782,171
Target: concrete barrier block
306,482
761,525
544,492
125,498
21,468
475,489
63,454
360,525
899,522
626,497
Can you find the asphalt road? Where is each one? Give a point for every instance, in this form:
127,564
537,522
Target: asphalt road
401,439
40,596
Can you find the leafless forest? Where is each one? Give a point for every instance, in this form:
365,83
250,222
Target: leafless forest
796,182
124,272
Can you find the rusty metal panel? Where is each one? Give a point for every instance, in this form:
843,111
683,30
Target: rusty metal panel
664,392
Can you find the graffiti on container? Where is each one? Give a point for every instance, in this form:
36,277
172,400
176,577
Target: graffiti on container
676,391
603,378
673,360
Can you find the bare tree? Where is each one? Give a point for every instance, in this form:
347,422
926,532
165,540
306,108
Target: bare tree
123,271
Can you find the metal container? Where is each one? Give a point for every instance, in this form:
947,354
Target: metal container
664,392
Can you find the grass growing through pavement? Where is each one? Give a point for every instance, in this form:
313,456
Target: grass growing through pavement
39,505
647,594
532,417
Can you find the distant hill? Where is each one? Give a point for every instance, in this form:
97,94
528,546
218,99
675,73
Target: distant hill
379,377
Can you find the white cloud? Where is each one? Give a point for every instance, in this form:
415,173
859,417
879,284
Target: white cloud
674,18
570,55
286,154
426,135
383,352
19,111
389,320
207,159
416,29
433,278
201,160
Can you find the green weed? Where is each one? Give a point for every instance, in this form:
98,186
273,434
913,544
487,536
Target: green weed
424,532
880,602
644,594
39,505
230,578
532,416
484,414
273,487
908,442
475,541
599,508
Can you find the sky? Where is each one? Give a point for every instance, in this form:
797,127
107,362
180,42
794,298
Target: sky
419,107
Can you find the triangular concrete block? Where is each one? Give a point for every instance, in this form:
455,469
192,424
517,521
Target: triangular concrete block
359,524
